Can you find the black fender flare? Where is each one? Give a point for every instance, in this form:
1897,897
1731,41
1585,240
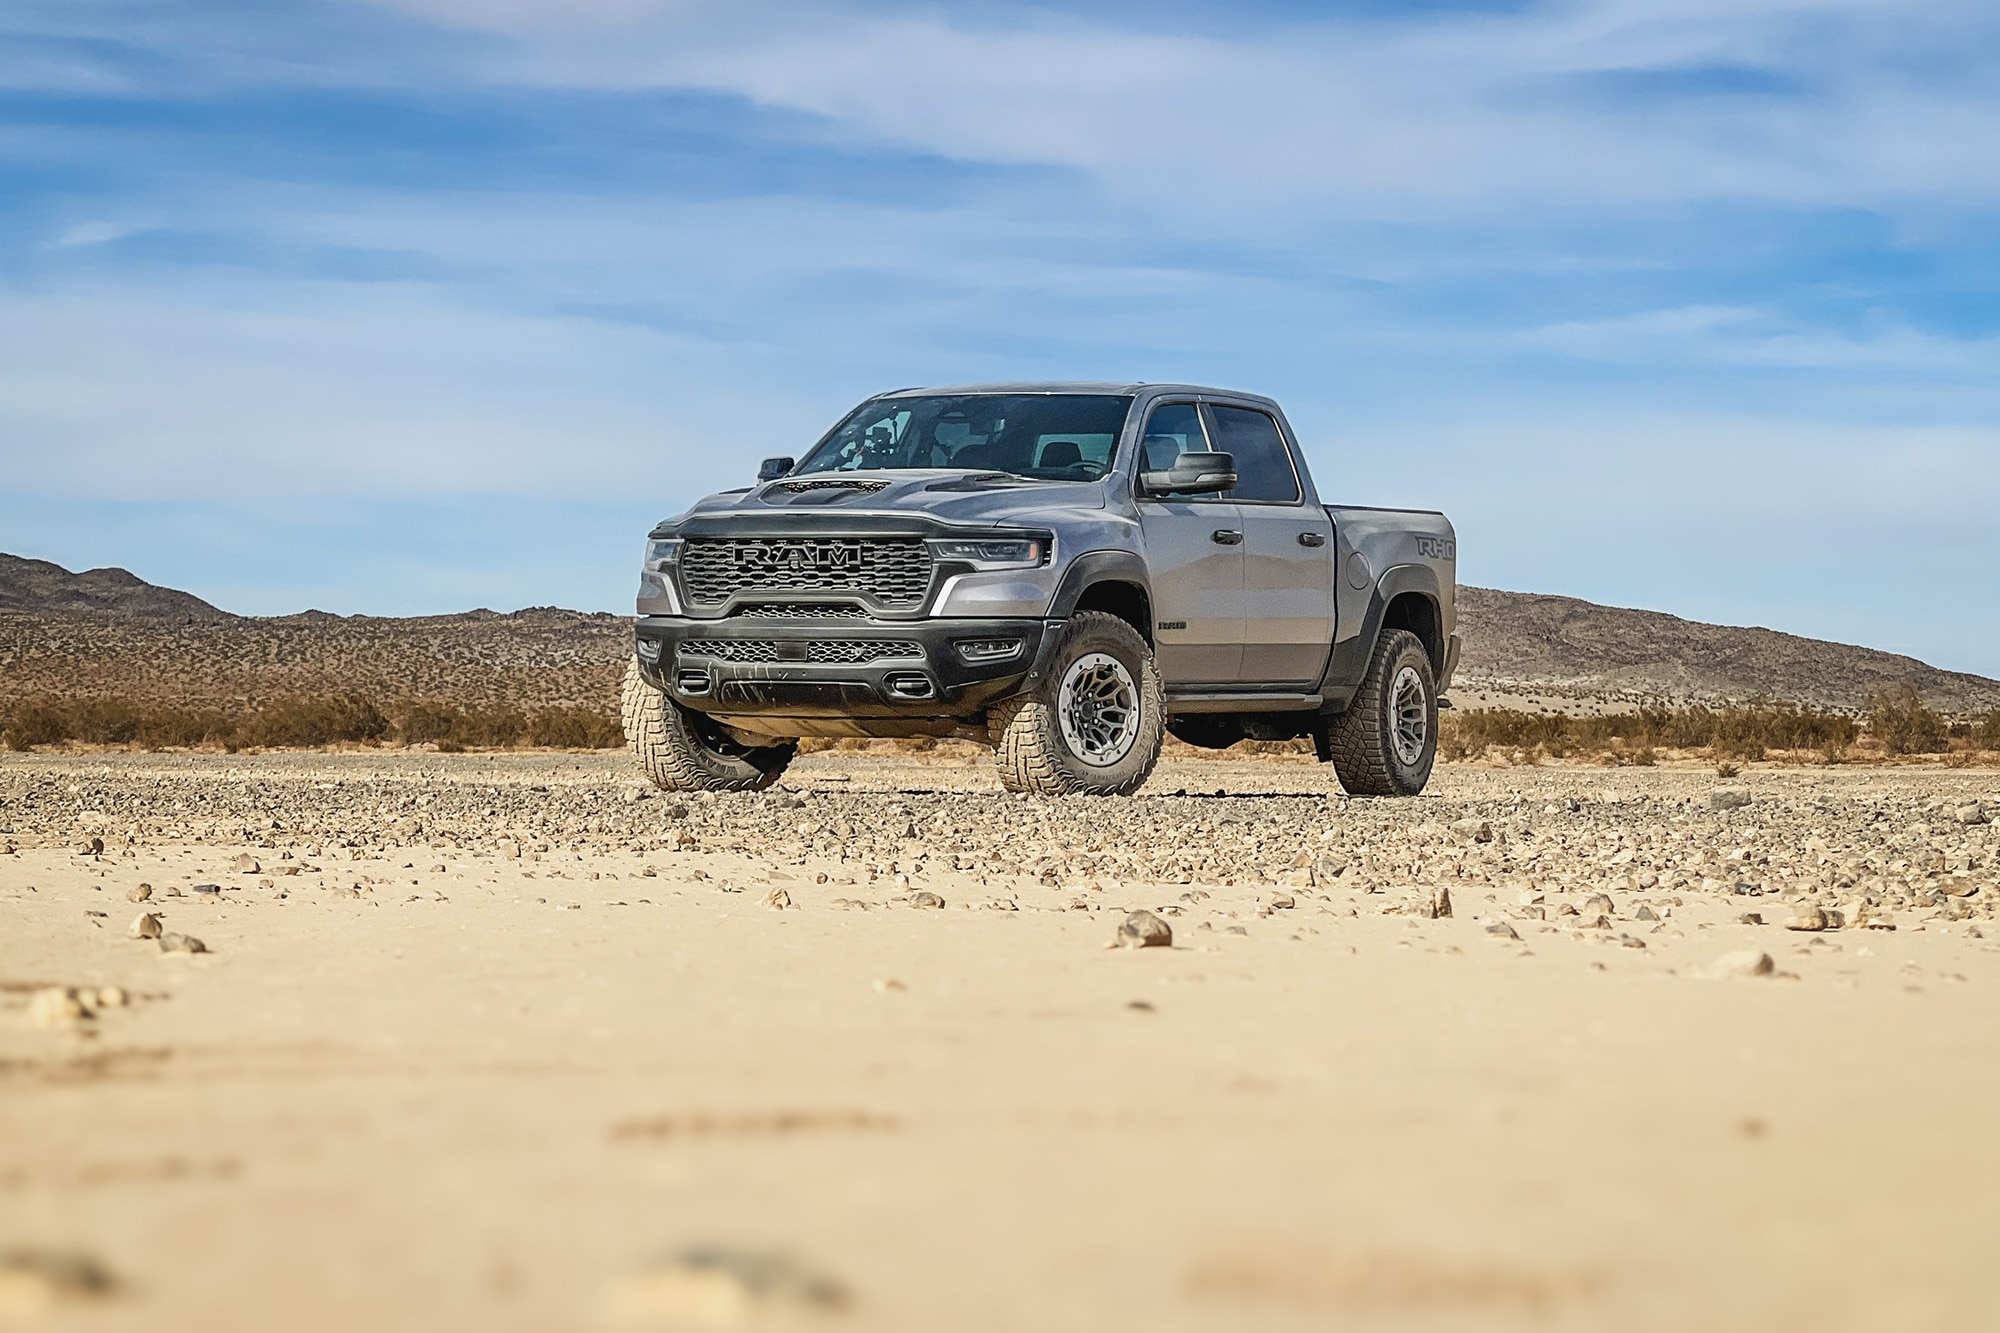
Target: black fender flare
1350,657
1093,567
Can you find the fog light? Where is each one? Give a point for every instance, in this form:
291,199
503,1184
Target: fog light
974,651
909,685
649,650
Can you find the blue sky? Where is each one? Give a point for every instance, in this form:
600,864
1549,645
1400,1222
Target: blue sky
426,304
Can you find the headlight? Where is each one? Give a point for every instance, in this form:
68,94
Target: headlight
662,553
994,553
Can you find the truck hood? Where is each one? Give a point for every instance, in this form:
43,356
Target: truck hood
944,495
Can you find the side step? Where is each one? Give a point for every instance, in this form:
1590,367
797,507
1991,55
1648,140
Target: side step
1244,701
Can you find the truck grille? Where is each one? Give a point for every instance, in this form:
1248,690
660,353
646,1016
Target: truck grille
894,571
822,651
800,611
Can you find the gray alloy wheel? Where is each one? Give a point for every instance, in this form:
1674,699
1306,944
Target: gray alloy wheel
1094,725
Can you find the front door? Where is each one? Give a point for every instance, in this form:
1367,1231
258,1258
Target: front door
1287,554
1194,553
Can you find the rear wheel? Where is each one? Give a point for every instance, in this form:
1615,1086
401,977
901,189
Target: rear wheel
684,751
1095,723
1386,741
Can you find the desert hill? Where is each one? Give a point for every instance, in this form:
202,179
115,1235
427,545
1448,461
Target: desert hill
1574,649
38,586
107,633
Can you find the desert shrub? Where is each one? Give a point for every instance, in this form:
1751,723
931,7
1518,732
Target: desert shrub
1745,731
36,723
1986,732
103,721
309,722
494,727
1899,720
181,728
420,722
574,729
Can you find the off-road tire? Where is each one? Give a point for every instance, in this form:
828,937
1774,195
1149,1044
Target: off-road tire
1365,752
1031,750
670,745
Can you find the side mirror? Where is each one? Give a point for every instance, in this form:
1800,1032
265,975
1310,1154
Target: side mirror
1193,474
773,468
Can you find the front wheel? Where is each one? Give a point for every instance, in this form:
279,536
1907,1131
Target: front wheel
1095,723
684,751
1386,741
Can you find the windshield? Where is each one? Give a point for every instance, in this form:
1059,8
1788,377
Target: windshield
1051,436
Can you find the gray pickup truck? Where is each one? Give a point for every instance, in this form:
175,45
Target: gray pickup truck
1067,572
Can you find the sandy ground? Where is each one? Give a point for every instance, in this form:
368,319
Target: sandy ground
468,1065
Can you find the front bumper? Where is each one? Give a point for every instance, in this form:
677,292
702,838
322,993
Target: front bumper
837,669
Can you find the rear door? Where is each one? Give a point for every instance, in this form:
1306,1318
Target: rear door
1287,553
1194,555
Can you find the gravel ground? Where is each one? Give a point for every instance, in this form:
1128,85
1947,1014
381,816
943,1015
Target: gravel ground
507,1041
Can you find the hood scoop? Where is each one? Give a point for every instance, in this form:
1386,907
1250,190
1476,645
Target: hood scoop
819,490
981,481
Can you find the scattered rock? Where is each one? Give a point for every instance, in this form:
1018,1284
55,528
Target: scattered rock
716,1285
57,1007
175,942
1728,798
1472,830
777,900
95,847
35,1282
246,864
145,926
1283,900
1742,963
111,997
884,985
1438,904
1144,930
1502,930
1598,903
1750,919
1645,913
140,894
1970,813
1807,917
924,898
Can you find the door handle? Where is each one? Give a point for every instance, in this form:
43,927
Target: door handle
1226,537
1312,539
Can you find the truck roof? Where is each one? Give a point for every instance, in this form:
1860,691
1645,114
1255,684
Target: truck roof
1074,386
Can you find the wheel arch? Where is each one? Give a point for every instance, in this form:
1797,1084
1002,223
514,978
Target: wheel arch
1113,582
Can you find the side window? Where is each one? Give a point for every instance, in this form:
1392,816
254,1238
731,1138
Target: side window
1263,466
1171,431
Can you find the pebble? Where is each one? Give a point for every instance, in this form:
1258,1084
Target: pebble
57,1007
1645,913
1472,830
1502,930
1144,930
35,1282
1598,903
1750,919
1728,798
925,898
777,900
140,894
246,864
1742,963
175,942
1439,903
146,926
1807,917
716,1285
